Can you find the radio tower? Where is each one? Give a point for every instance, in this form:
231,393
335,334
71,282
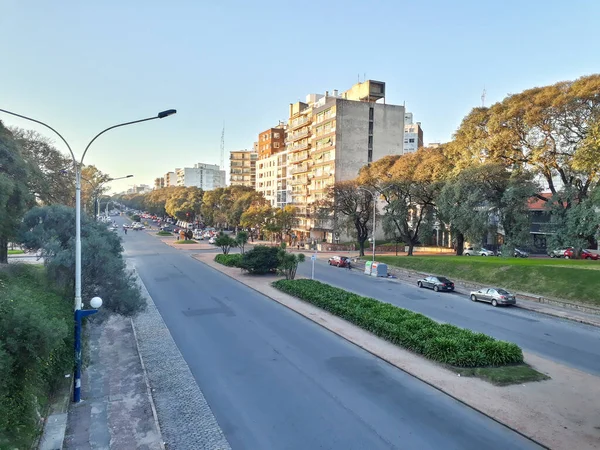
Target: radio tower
223,148
483,98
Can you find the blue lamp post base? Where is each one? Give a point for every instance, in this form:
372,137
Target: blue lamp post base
79,315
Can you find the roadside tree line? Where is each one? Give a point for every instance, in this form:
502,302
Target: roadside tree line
544,139
233,207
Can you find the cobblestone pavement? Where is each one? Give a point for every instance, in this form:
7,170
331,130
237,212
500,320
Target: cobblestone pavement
185,417
116,411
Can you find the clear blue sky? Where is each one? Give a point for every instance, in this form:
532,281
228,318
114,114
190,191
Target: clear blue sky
84,65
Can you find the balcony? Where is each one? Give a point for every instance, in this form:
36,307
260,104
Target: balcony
299,123
297,159
322,176
300,181
295,148
300,168
296,136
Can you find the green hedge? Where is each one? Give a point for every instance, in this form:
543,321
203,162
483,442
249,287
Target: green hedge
229,260
164,233
443,343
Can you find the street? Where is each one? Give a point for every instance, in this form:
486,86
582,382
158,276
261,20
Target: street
276,380
570,343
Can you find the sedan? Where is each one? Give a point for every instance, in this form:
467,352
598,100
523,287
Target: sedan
495,296
585,254
436,283
339,261
559,253
486,252
212,240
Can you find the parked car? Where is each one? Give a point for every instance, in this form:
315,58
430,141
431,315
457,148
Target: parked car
495,296
559,253
138,226
167,228
436,283
520,253
125,225
470,251
212,240
198,235
585,254
486,252
339,261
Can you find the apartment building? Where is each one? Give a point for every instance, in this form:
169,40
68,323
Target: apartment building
205,176
413,134
159,183
329,139
272,178
271,141
242,170
170,179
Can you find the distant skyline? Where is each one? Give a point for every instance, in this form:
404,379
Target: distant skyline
84,66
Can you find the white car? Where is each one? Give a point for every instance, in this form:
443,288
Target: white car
486,252
212,240
470,251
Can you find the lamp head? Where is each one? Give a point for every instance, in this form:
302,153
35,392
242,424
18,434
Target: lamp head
167,113
96,302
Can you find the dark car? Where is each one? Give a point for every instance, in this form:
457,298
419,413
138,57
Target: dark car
520,253
339,261
167,228
436,283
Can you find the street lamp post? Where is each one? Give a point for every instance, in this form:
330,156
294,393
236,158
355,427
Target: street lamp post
373,194
77,166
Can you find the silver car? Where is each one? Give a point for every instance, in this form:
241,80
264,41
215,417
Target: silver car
495,296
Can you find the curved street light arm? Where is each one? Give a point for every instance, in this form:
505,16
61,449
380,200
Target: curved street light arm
49,127
110,128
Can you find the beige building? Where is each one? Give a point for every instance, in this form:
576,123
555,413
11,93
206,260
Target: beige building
242,169
272,179
205,176
170,179
329,139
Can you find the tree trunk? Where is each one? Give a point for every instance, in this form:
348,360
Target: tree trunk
3,250
460,243
411,246
361,248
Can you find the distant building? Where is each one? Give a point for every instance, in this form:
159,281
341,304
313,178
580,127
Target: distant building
170,179
159,183
242,169
271,141
413,134
205,176
272,179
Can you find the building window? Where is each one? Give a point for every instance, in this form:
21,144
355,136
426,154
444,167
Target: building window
371,113
411,140
276,144
276,135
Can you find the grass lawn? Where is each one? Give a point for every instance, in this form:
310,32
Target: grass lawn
503,376
164,233
187,241
15,252
574,280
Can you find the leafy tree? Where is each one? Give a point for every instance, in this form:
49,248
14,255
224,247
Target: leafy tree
241,240
15,196
51,230
226,242
185,203
92,180
285,218
52,177
346,203
255,218
288,262
243,201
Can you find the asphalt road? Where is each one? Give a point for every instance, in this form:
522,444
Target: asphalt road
276,380
573,344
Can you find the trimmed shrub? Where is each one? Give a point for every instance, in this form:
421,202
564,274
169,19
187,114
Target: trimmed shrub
164,233
443,343
229,260
260,260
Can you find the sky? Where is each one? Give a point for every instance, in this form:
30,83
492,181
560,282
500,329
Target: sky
82,66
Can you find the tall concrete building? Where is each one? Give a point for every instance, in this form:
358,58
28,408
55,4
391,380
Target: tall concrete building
205,176
413,134
330,138
159,183
272,179
170,179
242,171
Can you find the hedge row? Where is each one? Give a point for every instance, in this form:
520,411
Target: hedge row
233,260
443,343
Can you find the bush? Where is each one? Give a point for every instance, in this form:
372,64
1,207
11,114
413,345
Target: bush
225,242
288,262
234,260
164,233
36,350
260,260
443,343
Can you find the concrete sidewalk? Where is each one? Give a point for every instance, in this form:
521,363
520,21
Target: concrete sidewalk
117,411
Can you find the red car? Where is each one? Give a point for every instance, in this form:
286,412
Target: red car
585,254
339,261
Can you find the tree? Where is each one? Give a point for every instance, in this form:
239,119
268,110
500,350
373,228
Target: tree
255,218
285,218
52,177
15,196
185,203
92,180
51,230
346,203
288,262
241,204
225,242
241,240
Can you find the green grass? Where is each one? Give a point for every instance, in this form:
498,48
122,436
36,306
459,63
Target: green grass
15,252
186,241
573,280
503,376
164,233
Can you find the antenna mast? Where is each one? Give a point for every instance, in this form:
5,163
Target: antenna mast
483,98
223,148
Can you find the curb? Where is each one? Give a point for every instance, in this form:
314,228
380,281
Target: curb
375,354
148,389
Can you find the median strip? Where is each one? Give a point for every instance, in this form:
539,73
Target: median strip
457,348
